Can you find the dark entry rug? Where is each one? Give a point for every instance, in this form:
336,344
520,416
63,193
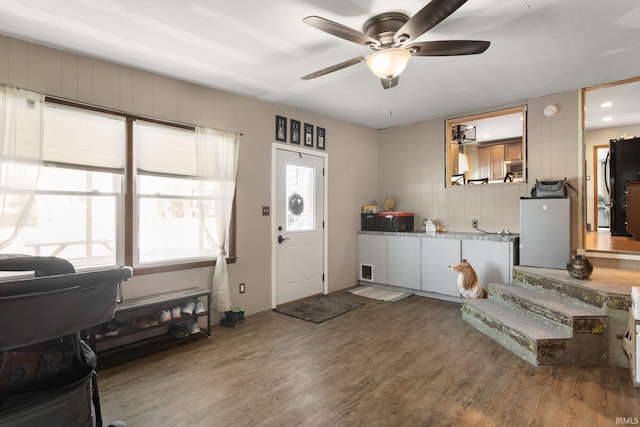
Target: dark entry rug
319,308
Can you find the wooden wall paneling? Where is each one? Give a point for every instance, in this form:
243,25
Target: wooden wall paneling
488,209
69,80
184,102
43,58
126,89
106,80
510,206
18,63
460,204
4,59
143,93
85,79
165,93
224,113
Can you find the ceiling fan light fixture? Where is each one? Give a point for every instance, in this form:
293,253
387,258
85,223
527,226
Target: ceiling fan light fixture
461,134
388,63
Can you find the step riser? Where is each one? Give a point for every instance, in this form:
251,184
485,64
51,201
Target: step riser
507,341
582,349
581,325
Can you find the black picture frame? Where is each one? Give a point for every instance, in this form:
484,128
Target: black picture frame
295,132
308,135
320,138
281,128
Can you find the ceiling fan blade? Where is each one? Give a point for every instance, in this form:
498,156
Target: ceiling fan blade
428,17
341,31
448,47
389,83
333,68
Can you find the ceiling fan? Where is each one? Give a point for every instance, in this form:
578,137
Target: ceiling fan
390,36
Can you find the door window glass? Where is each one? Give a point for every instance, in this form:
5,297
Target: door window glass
300,198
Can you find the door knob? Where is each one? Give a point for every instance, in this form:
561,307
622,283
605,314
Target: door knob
282,239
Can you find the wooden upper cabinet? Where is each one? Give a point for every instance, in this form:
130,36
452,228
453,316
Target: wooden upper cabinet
497,162
491,162
513,151
484,162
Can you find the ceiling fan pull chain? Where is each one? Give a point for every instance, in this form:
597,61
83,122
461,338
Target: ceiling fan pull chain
390,81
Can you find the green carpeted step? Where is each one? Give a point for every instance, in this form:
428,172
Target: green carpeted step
529,336
560,282
582,317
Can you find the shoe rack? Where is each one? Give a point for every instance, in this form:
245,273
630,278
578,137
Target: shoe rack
131,339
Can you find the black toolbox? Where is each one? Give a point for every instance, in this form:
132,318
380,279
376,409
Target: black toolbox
370,222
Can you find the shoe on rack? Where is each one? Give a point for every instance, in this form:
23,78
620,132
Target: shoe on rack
175,312
188,307
194,328
112,328
179,331
164,315
199,308
151,319
138,322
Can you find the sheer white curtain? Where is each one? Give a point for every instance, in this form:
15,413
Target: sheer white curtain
21,138
217,155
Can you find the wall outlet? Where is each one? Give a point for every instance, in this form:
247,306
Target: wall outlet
266,211
242,288
474,223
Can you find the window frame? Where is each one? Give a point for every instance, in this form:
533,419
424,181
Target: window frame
129,196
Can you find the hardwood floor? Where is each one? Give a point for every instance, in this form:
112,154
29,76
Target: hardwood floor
604,241
410,363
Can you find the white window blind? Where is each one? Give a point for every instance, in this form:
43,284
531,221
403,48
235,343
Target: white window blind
86,138
20,124
165,149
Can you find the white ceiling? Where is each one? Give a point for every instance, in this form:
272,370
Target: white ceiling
261,48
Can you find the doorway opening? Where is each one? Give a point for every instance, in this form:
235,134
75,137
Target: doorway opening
611,111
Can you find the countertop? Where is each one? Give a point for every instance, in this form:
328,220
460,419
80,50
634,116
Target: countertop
448,235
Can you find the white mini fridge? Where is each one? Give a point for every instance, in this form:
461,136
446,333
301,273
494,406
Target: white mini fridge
545,232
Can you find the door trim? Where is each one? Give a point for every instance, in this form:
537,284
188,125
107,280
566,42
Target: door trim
275,146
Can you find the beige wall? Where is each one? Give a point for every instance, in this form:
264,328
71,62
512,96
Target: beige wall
351,149
412,169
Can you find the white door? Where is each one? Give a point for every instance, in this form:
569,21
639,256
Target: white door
299,222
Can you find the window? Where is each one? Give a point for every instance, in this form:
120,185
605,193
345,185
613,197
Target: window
301,198
489,147
97,206
78,196
169,223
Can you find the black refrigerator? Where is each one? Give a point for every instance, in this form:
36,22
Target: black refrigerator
624,166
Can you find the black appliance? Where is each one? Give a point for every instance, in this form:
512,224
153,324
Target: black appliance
624,167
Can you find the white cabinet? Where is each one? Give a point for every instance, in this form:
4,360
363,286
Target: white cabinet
437,255
403,261
372,258
422,263
492,260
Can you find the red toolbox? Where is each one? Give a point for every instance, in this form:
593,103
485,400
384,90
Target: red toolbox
396,221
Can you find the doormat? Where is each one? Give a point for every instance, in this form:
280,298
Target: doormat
319,308
379,293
